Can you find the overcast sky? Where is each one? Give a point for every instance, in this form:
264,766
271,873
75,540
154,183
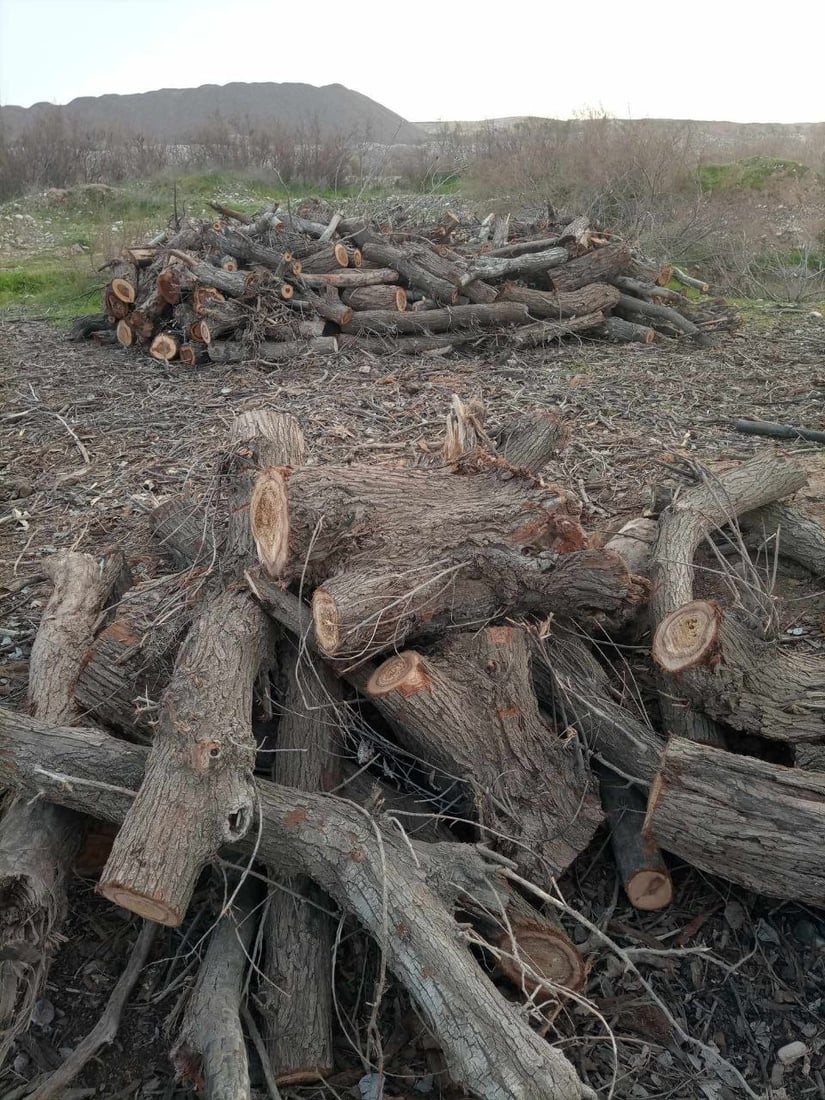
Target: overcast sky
739,60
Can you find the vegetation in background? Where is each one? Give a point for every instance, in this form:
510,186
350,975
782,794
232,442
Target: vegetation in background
754,224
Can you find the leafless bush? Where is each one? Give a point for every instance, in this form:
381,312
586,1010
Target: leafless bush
53,153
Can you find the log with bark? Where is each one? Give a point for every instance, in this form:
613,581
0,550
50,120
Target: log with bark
262,261
470,710
39,841
210,1051
402,895
708,656
316,518
376,297
758,824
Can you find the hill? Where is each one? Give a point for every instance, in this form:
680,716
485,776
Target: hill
181,114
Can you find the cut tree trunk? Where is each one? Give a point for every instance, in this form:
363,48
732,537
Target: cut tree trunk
546,332
326,260
682,527
406,345
387,255
328,305
530,441
452,272
627,332
529,263
271,351
240,246
471,712
636,288
642,870
437,320
534,952
370,608
739,679
635,310
365,277
123,281
211,1051
234,284
383,881
688,280
590,299
598,266
376,297
186,532
198,792
757,824
39,841
258,438
519,248
164,347
320,516
128,664
296,993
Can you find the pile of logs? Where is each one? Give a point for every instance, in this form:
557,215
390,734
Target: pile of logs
277,285
323,628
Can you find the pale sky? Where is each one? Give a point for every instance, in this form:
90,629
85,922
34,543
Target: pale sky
736,60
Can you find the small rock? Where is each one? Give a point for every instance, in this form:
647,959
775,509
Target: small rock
42,1013
791,1052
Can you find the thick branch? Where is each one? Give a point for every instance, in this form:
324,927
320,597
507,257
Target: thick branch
489,1048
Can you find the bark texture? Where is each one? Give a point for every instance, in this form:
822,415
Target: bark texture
754,823
489,1047
471,711
39,841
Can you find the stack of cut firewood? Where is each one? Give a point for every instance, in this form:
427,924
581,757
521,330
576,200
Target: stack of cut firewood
278,285
430,623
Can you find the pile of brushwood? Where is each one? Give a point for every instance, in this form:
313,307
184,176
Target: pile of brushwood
280,285
385,691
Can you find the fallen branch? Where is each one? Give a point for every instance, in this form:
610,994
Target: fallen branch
381,880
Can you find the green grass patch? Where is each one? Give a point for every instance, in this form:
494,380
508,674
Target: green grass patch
751,173
52,289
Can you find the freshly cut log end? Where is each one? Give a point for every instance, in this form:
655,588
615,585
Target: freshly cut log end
203,296
229,263
297,267
536,951
168,284
269,520
124,333
286,291
405,673
327,622
164,347
123,290
341,255
199,332
649,890
687,637
146,907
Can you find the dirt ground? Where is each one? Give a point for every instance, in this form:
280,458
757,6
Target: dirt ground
93,438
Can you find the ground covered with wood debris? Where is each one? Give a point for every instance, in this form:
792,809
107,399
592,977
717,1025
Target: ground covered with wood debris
94,438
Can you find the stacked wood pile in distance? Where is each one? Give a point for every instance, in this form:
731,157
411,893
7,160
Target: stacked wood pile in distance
278,285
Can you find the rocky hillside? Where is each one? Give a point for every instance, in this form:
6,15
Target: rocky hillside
182,114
